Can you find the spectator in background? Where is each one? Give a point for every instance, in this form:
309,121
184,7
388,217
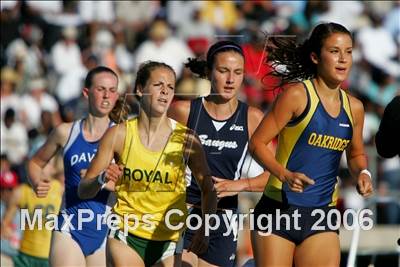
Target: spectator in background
378,46
14,138
382,87
180,13
255,70
223,15
196,33
163,47
67,63
257,11
35,242
35,102
97,11
347,13
392,22
8,97
9,237
135,16
27,52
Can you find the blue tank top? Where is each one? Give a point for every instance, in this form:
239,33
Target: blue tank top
313,144
225,144
78,153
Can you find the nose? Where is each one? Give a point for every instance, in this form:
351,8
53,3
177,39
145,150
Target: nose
164,90
106,94
230,79
342,57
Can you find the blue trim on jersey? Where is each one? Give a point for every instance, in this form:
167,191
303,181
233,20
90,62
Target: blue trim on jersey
77,156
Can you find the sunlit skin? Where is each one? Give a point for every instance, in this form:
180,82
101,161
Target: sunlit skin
103,94
158,92
333,63
227,74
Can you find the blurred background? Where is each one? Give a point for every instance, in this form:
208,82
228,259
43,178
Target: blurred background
47,47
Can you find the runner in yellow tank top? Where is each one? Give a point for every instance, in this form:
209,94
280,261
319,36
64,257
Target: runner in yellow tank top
35,243
153,151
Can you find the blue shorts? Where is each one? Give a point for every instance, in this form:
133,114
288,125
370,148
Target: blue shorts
221,249
309,220
91,237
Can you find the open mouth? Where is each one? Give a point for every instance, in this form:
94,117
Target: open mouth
162,100
105,104
341,69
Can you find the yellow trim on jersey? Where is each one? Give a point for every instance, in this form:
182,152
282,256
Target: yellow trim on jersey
346,106
335,194
286,142
153,182
36,242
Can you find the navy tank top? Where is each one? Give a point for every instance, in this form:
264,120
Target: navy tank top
225,144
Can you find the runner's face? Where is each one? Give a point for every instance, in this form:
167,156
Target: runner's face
103,94
335,60
159,91
227,74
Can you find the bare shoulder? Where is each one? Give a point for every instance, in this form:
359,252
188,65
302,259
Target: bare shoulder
293,98
355,104
254,117
295,90
179,111
116,133
62,132
118,130
255,113
357,108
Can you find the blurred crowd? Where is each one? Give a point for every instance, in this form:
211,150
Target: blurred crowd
47,47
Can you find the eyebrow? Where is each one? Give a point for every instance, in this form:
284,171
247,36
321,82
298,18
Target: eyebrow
104,87
227,68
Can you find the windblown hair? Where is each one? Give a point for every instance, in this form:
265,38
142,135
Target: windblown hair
291,62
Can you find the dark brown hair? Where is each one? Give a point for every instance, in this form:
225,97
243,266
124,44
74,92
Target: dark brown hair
202,67
290,61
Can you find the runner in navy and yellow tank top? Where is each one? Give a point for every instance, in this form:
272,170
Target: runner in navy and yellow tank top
315,121
314,138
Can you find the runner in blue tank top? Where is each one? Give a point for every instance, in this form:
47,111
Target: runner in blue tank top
224,125
79,243
315,121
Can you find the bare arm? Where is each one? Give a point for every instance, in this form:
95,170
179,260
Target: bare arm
288,105
111,143
198,165
9,214
200,169
257,183
356,158
56,140
179,111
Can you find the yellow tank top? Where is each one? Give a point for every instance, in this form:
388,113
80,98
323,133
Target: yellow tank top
36,242
153,183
